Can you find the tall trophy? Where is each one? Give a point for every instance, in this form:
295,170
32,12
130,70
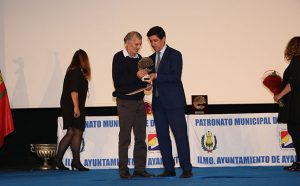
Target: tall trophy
45,152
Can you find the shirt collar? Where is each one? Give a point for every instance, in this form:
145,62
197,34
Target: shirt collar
162,50
125,53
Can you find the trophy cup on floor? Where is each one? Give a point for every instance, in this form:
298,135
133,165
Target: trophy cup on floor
45,152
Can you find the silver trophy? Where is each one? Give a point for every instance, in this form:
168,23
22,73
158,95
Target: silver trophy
45,152
145,63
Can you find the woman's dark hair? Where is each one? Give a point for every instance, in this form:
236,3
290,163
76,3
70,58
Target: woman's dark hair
158,31
292,48
81,59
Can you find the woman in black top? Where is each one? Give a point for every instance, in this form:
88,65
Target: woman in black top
290,95
73,109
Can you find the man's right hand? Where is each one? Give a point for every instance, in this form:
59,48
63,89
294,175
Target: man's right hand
141,73
152,76
149,87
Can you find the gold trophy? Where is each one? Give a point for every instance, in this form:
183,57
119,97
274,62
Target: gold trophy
199,104
45,152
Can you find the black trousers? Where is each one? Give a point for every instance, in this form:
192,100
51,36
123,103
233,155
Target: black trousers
132,115
294,131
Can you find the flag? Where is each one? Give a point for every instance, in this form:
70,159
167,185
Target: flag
6,121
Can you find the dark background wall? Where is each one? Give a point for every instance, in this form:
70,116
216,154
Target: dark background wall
34,126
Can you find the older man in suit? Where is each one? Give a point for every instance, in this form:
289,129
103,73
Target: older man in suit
168,103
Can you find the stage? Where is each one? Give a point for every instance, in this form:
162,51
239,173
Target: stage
245,176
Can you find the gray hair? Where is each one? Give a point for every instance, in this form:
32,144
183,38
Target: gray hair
131,35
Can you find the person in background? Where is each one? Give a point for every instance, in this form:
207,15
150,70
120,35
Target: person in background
131,108
168,103
290,95
72,103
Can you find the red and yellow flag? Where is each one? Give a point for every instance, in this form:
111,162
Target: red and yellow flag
6,121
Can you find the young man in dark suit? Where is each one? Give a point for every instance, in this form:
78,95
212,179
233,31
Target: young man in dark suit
168,103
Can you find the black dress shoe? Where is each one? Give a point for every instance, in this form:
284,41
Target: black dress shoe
125,174
167,174
57,164
186,174
142,174
294,167
78,166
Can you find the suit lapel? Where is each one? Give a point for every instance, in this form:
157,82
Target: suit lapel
153,59
165,55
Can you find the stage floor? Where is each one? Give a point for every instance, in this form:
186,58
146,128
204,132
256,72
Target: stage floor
245,176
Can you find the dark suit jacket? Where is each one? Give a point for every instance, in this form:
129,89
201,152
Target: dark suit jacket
291,111
168,82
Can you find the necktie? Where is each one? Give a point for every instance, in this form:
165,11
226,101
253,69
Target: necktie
157,61
156,68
